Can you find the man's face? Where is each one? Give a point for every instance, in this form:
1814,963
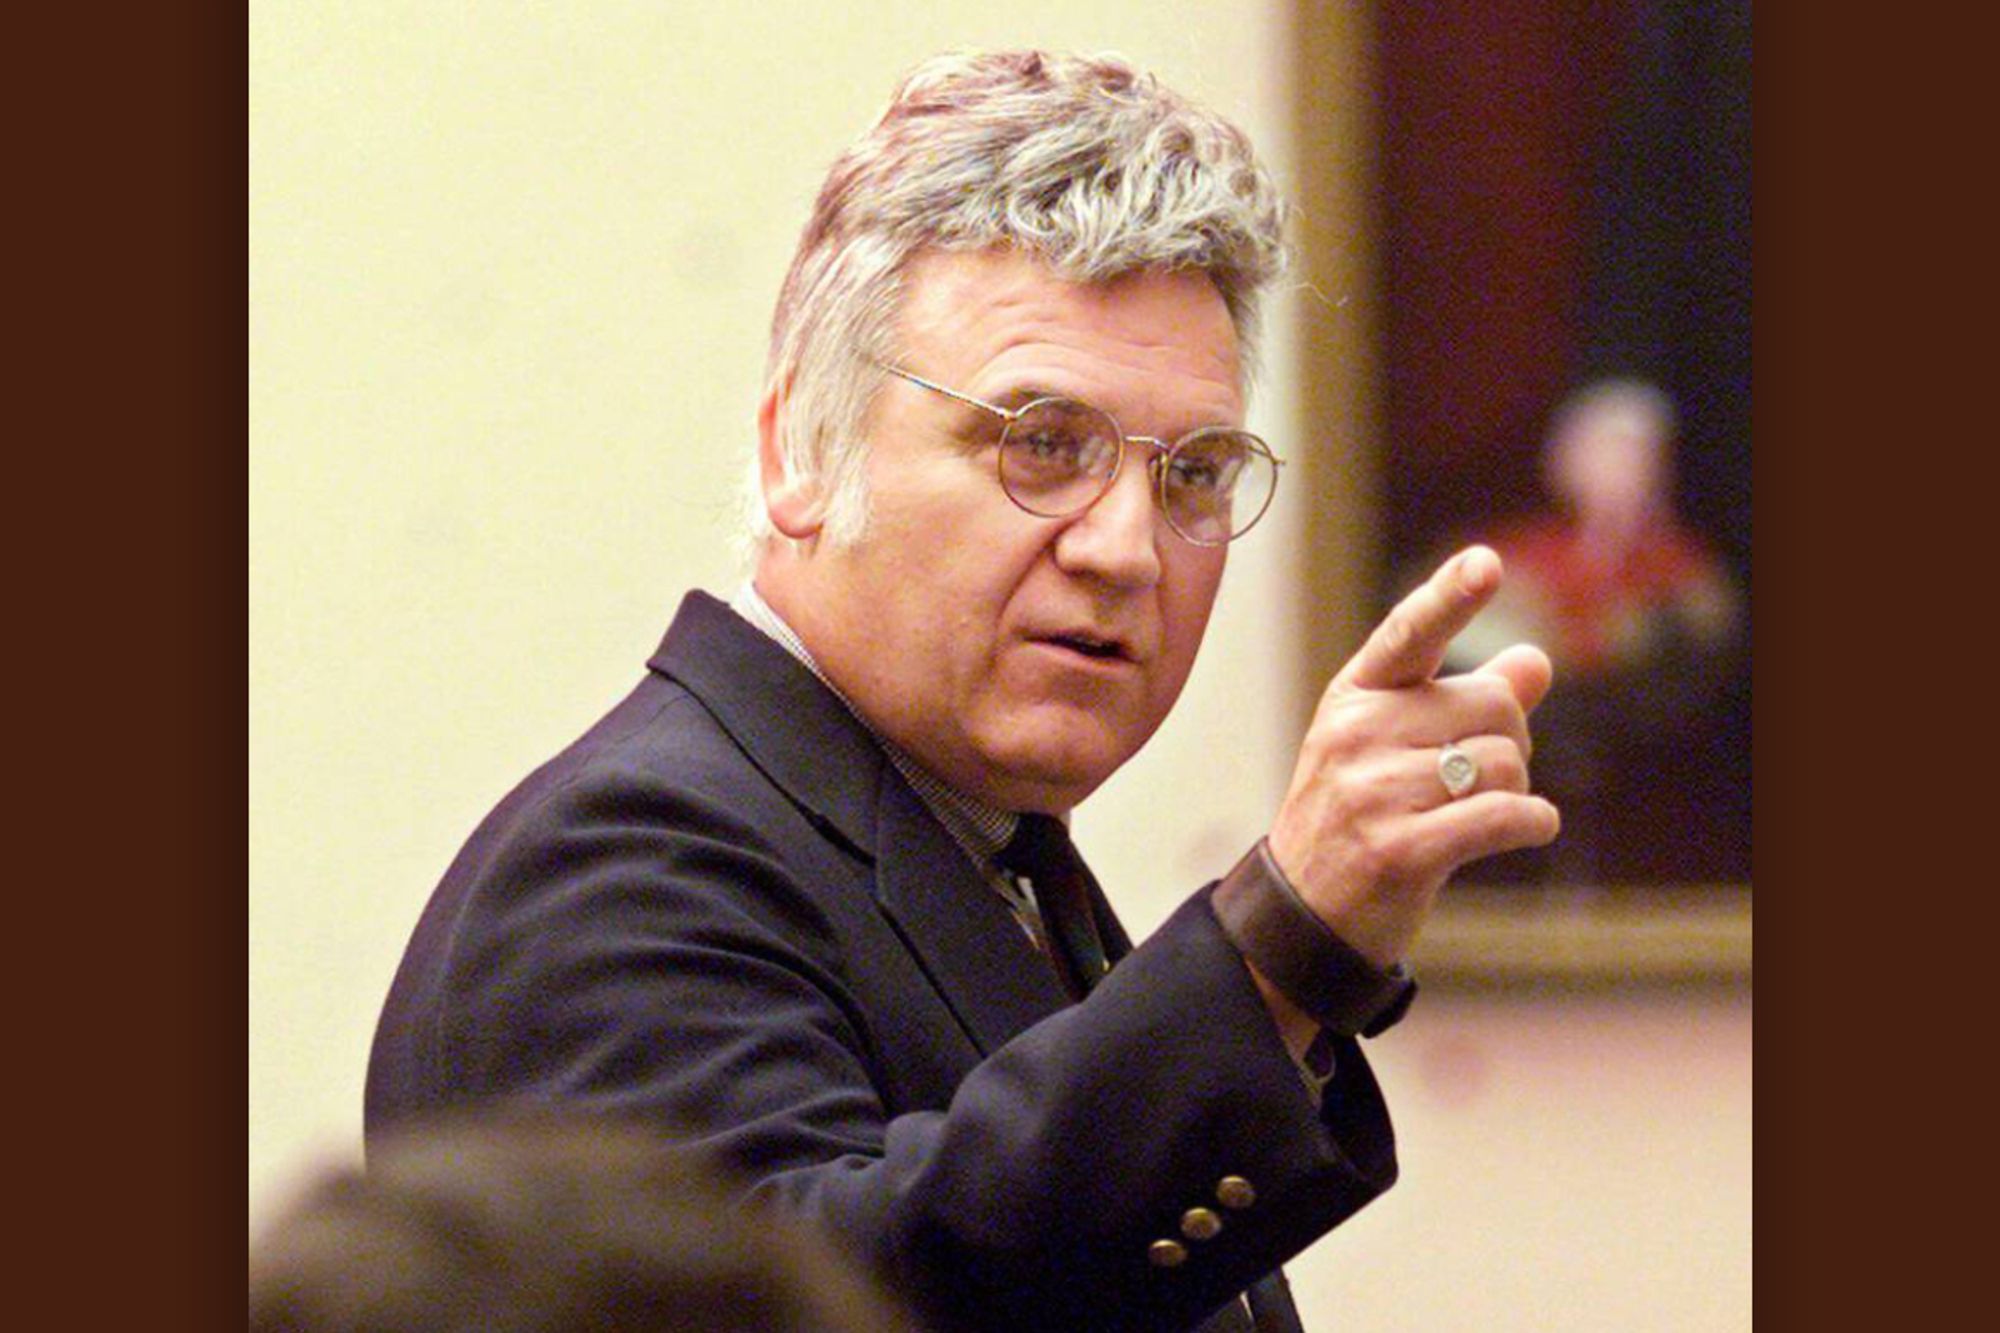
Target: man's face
1022,659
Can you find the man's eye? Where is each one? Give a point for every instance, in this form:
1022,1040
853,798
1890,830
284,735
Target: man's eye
1200,474
1051,448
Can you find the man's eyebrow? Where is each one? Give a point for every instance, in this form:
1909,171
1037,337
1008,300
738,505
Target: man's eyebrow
1020,395
975,415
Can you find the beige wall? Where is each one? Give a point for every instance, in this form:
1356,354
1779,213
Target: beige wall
1569,1165
510,267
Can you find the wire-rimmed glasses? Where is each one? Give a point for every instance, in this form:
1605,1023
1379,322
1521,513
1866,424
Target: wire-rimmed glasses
1059,456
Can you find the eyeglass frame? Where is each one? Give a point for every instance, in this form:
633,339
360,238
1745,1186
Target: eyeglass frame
1163,449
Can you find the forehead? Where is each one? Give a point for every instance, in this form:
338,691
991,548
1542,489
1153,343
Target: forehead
1156,348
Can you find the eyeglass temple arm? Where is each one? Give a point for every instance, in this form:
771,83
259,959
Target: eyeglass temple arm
966,398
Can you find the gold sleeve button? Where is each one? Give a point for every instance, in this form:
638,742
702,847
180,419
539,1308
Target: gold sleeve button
1200,1224
1167,1254
1235,1192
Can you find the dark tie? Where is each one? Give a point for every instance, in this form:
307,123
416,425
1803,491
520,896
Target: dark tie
1041,851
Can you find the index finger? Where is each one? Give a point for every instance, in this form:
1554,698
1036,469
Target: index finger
1407,648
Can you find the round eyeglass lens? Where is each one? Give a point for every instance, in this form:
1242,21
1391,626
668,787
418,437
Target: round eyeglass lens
1216,483
1057,455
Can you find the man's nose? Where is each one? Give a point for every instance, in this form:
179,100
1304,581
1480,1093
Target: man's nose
1118,538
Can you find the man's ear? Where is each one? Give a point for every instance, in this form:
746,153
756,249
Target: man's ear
795,503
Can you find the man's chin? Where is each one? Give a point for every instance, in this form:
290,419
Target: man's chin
1053,762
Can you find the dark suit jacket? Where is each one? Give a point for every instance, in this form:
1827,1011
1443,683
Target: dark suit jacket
723,907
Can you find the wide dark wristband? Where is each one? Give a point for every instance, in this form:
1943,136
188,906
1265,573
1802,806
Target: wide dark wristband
1270,925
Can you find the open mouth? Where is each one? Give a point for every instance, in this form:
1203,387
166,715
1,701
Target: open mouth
1105,650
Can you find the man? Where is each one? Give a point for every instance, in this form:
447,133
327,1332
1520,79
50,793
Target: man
801,888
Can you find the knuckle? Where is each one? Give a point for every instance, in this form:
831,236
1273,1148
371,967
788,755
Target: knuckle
1494,698
1395,854
1348,724
1509,770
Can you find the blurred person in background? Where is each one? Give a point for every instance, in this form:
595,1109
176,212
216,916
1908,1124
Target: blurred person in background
499,1223
1633,606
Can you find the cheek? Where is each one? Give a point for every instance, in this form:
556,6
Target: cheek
1186,607
980,561
955,595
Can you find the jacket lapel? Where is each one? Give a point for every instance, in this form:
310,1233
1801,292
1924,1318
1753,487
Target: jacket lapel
807,742
792,727
964,936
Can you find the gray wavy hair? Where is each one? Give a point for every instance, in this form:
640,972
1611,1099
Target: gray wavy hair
1085,163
